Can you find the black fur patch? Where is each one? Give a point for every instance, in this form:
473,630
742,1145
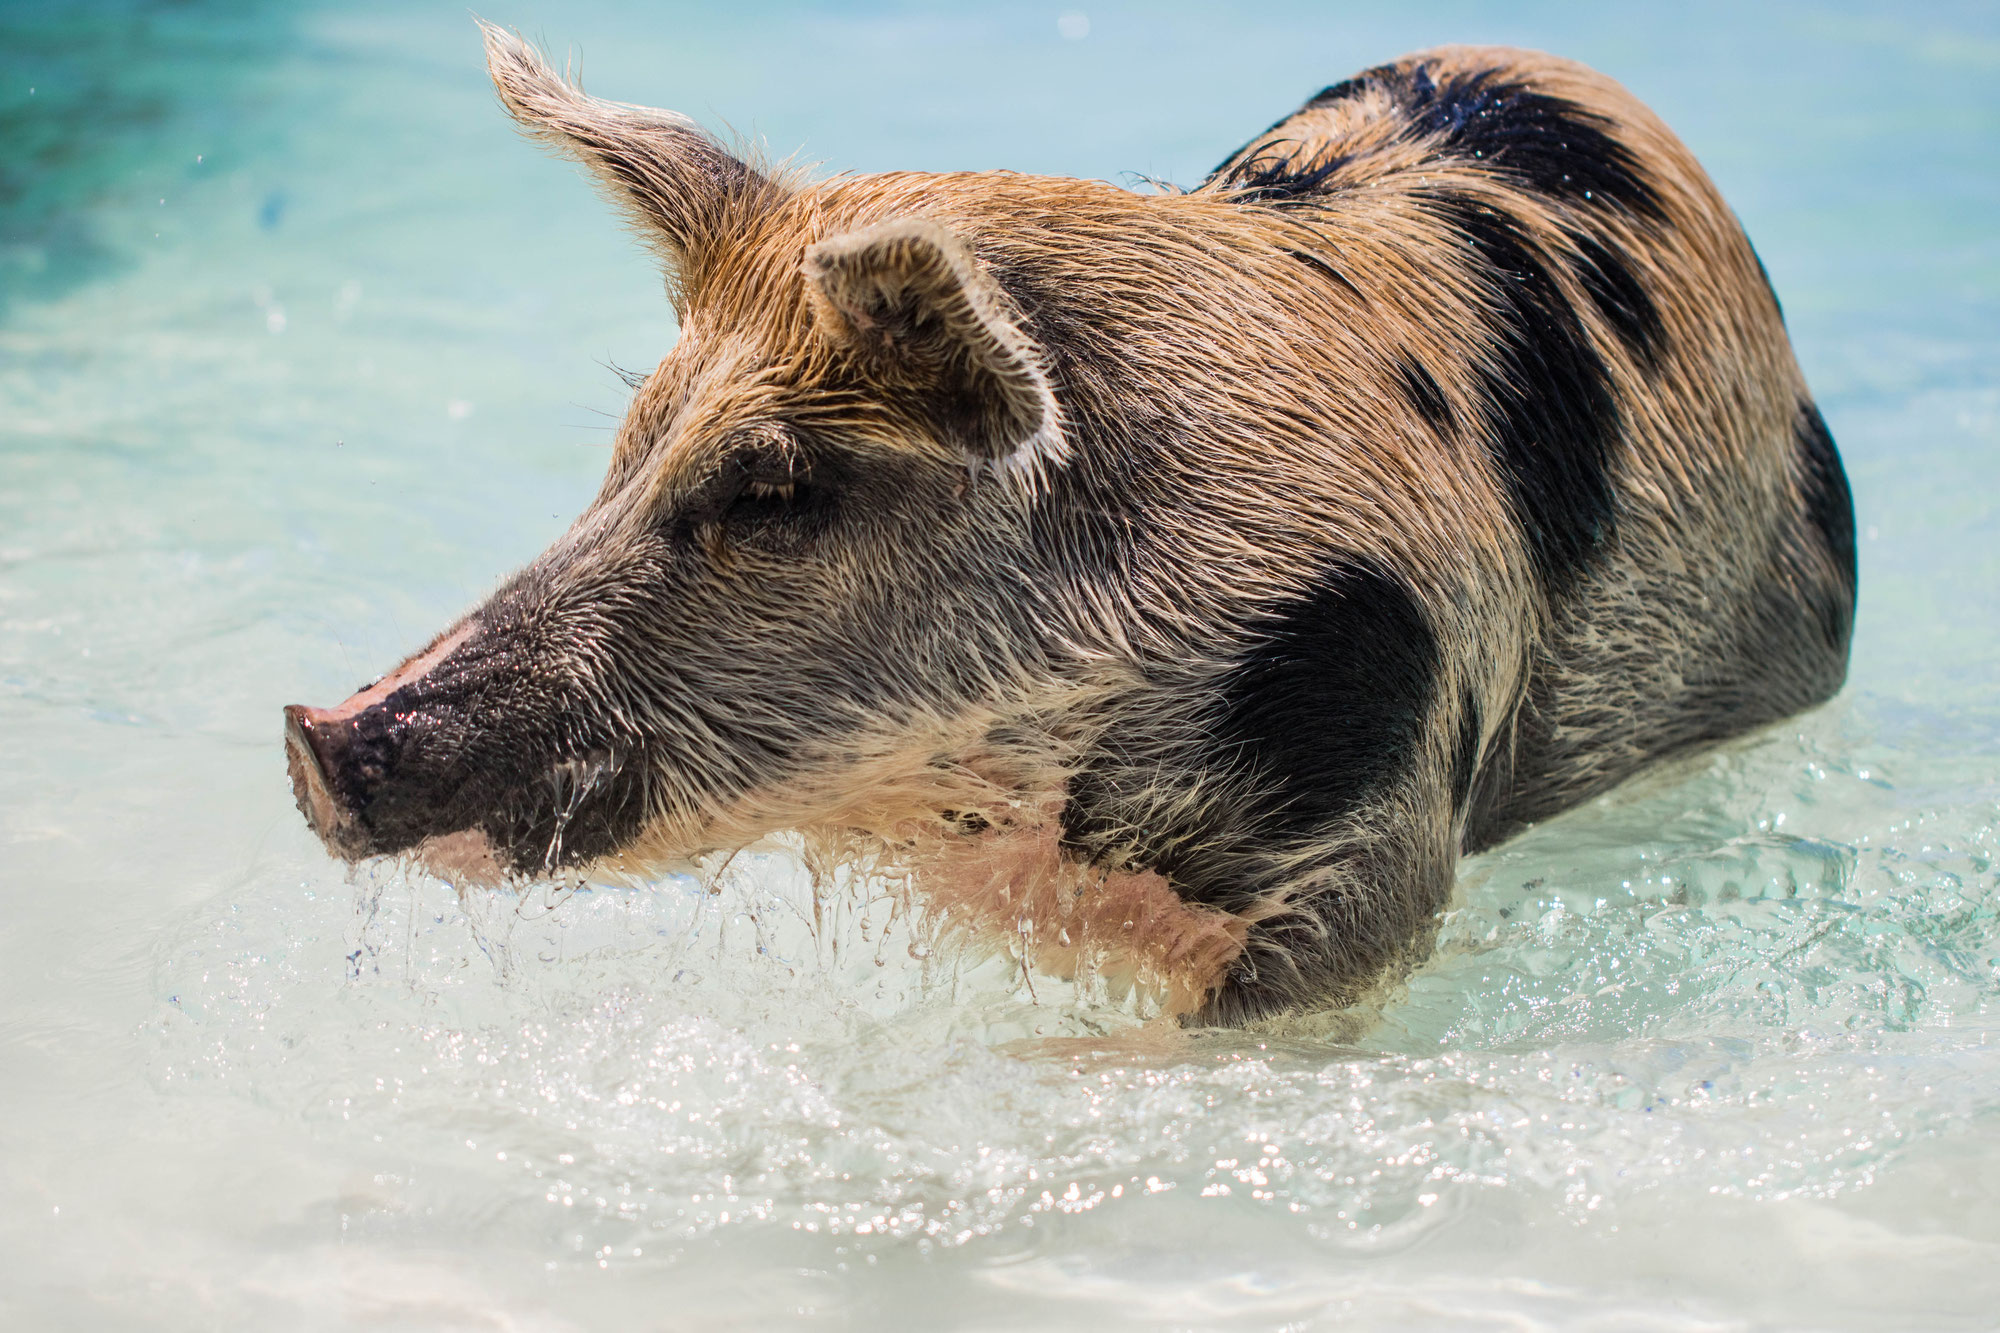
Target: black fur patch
1421,388
1552,419
1830,506
1326,709
1621,297
1547,144
1332,702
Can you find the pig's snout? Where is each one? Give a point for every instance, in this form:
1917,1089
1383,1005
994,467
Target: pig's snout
472,758
332,775
342,759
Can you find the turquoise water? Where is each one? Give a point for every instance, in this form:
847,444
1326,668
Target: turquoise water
301,349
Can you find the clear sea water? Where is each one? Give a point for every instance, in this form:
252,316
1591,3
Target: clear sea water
301,349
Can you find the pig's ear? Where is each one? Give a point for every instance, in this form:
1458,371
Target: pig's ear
679,183
934,329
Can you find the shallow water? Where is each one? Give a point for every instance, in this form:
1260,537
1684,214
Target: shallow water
301,349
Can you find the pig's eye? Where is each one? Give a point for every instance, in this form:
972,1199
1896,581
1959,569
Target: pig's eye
771,490
770,494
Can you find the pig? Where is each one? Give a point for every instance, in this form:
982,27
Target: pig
1171,583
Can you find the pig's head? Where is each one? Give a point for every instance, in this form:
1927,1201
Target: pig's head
804,594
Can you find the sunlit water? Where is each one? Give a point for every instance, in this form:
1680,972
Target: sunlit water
301,349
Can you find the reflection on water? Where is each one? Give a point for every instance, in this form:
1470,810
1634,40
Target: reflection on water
301,349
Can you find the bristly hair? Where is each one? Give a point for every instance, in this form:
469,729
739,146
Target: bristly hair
634,379
1279,179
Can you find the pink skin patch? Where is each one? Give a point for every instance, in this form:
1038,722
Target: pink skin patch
413,670
1127,927
462,858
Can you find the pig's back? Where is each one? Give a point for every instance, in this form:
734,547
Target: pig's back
1605,346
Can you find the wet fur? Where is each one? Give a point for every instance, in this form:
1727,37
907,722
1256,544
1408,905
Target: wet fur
1225,563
